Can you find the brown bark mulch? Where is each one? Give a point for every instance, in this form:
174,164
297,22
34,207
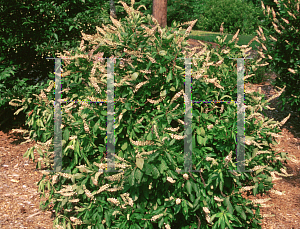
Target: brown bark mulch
19,199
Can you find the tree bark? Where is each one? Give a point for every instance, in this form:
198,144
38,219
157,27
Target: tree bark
159,12
113,11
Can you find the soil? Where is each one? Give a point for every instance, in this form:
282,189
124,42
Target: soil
19,197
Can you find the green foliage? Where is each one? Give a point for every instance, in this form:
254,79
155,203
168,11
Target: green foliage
34,30
149,193
234,13
281,48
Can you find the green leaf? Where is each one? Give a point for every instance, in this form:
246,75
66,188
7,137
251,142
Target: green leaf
155,172
249,210
227,221
128,106
222,222
202,131
185,207
40,152
221,185
170,36
77,150
170,158
107,218
212,218
162,69
196,202
124,146
198,131
71,27
249,138
238,208
66,134
243,215
79,175
177,209
169,78
138,175
200,139
146,192
254,152
163,166
131,178
228,204
258,171
135,75
189,187
172,142
140,163
148,168
96,127
55,35
172,89
162,53
149,136
163,93
255,189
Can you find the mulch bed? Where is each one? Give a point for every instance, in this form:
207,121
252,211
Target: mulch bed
19,200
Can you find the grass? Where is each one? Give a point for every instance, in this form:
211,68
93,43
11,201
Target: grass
212,36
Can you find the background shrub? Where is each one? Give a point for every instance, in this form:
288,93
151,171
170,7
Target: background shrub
281,48
36,30
234,13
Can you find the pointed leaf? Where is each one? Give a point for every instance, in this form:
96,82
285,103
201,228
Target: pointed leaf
148,168
163,166
135,75
155,172
188,187
202,131
55,35
140,163
169,78
249,138
229,206
200,139
124,146
138,175
163,93
131,178
198,131
162,53
149,136
96,127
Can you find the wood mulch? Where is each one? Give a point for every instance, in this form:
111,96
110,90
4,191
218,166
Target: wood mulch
19,199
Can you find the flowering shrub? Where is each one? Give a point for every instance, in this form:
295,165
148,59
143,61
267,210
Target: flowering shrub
150,191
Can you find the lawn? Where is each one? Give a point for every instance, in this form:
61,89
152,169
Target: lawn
211,36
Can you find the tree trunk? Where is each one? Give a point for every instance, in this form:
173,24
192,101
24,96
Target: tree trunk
159,12
113,11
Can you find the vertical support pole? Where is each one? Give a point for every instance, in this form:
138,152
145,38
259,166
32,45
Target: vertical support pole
240,116
110,116
188,147
57,118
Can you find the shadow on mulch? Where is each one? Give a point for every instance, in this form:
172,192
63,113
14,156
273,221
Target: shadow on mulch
10,121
